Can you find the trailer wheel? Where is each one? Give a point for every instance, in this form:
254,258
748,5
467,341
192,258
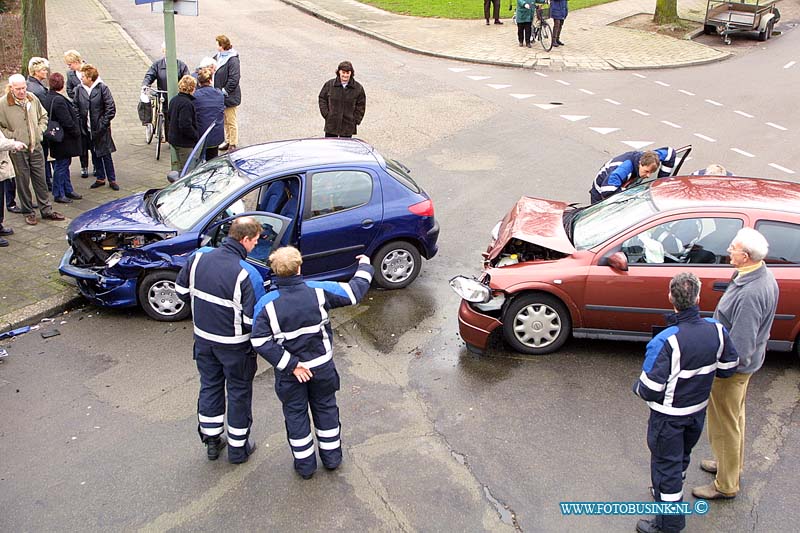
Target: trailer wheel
767,33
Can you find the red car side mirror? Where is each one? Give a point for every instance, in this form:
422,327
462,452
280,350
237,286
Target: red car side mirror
618,261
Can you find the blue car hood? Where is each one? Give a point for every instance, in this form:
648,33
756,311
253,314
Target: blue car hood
122,215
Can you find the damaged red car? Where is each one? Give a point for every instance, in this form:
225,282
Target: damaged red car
553,270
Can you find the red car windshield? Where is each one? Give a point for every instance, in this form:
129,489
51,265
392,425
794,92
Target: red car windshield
602,221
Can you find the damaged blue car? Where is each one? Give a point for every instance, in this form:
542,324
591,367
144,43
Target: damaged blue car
332,198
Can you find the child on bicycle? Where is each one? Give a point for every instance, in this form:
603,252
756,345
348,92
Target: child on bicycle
524,17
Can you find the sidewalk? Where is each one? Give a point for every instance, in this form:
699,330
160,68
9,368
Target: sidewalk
591,44
30,286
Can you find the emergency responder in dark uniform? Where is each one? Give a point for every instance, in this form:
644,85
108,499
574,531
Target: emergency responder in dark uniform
630,165
292,331
223,289
679,367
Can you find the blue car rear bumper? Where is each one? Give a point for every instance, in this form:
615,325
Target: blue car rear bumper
101,290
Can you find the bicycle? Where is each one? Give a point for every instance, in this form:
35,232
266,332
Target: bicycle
155,127
541,29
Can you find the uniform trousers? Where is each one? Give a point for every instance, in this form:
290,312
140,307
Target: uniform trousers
232,367
29,170
320,395
671,439
726,422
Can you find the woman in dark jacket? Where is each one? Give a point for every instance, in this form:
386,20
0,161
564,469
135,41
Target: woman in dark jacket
559,11
227,78
183,135
209,104
97,109
61,109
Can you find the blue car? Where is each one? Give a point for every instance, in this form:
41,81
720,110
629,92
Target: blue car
332,198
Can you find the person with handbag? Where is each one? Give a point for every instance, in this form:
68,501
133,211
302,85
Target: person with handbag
23,118
63,113
97,109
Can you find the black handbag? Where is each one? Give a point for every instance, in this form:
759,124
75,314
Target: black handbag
53,133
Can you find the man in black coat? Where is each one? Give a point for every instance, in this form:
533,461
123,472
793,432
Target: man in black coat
74,62
158,73
226,78
342,102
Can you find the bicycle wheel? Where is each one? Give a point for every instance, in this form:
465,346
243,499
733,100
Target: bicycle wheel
546,37
148,132
159,128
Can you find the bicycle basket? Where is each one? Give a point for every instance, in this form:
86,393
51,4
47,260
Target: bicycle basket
145,112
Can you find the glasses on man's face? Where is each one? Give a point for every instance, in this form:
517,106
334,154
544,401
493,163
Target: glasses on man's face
732,250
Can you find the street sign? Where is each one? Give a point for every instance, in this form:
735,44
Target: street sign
182,7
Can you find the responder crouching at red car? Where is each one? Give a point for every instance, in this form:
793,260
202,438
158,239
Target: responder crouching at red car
223,289
292,331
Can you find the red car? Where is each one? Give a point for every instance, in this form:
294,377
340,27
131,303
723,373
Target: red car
603,271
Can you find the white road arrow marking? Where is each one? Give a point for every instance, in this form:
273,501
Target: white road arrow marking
776,126
478,78
497,86
748,115
604,131
574,118
636,145
742,152
522,96
545,106
639,111
782,169
670,124
705,137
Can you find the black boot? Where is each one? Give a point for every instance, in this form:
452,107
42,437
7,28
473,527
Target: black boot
214,446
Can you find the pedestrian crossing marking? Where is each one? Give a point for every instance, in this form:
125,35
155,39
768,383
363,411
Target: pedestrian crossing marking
604,131
637,145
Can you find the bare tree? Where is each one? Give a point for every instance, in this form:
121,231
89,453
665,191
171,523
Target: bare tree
666,12
34,31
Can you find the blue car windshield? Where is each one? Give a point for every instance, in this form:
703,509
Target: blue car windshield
602,221
187,201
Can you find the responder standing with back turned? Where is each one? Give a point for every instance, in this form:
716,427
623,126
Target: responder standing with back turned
676,378
223,290
292,331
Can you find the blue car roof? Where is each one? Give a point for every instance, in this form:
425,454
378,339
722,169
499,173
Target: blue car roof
288,156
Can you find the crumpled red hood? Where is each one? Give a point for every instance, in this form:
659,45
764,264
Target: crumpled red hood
536,221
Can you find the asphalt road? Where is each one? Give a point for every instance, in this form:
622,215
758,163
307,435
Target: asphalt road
98,424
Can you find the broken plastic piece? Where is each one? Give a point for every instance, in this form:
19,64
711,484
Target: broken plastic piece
3,352
15,332
50,333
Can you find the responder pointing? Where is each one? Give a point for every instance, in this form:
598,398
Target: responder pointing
292,331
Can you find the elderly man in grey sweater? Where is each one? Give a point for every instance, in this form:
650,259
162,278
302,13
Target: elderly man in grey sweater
747,310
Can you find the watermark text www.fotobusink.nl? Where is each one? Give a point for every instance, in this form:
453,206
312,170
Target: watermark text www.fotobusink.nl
699,507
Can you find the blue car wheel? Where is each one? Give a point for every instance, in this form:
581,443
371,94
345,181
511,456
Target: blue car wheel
396,264
159,299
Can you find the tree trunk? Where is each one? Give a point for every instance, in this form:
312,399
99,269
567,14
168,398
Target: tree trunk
666,12
34,31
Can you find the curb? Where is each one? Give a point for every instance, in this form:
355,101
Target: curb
527,64
66,301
